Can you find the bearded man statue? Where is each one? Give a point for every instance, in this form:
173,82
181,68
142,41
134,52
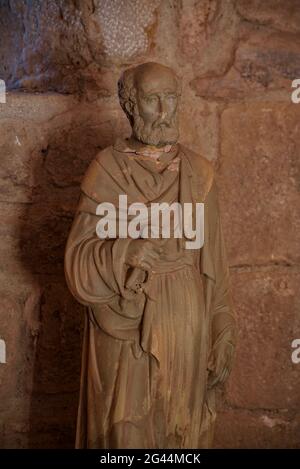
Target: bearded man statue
160,327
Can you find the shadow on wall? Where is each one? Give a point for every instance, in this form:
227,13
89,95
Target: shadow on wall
54,316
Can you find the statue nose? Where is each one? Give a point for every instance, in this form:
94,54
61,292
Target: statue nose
162,109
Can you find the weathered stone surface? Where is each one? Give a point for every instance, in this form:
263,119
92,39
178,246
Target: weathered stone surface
25,124
80,38
16,175
264,62
11,328
28,30
123,26
268,315
57,365
42,238
282,15
208,35
49,423
246,429
259,179
233,87
17,372
199,126
45,155
36,108
41,322
269,59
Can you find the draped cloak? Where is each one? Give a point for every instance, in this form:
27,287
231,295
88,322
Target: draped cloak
145,354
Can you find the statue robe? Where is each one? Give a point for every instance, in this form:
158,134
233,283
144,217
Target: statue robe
145,355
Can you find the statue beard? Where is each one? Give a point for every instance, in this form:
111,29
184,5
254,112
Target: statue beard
157,134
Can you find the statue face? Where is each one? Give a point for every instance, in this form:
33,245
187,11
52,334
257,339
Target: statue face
155,112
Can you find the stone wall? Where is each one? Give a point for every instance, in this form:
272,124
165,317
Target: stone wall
61,61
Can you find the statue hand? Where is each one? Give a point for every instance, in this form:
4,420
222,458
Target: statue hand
220,363
143,254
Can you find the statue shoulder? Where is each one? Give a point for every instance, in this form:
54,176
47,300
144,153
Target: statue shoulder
105,156
202,168
95,175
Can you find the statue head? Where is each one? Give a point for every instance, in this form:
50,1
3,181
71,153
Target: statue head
149,95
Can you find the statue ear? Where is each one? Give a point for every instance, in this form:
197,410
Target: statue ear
129,107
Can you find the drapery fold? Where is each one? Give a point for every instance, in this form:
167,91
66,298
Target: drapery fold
96,274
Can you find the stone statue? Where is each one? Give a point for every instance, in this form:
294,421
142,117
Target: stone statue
160,329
